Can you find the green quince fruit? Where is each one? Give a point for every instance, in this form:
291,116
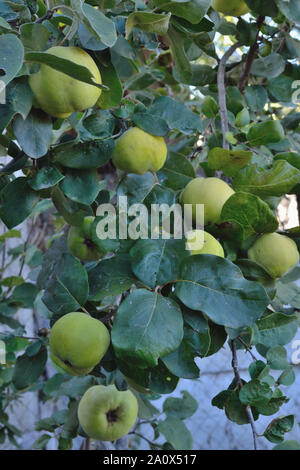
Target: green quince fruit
80,241
59,94
107,414
137,152
200,242
276,253
212,192
230,7
78,342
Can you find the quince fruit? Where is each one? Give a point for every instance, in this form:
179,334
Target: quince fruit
137,152
230,7
59,94
80,241
78,342
107,414
276,253
200,242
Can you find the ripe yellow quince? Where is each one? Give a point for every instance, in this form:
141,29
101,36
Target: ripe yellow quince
78,342
211,192
230,7
136,151
107,414
276,253
200,242
59,94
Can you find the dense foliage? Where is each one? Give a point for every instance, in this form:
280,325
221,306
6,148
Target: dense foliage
224,94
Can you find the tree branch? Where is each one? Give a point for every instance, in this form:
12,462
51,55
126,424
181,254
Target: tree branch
251,56
222,92
238,379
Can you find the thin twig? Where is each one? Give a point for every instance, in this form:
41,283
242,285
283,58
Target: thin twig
238,379
247,347
251,56
222,92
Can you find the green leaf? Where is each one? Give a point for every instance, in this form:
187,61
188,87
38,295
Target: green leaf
66,289
136,187
268,67
25,294
279,180
68,67
34,36
110,98
28,369
10,63
292,158
216,286
41,442
12,281
288,445
81,186
111,276
17,202
230,402
277,329
265,133
100,25
281,88
181,408
177,172
71,211
287,377
290,9
277,358
278,427
157,261
183,66
146,21
255,392
75,387
193,10
10,234
288,294
261,7
83,155
176,433
100,124
181,362
34,134
253,215
19,99
46,177
147,326
229,161
256,97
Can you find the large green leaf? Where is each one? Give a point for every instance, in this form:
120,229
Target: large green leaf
216,286
17,202
277,181
183,66
290,9
81,186
83,155
193,10
34,36
10,62
29,368
147,326
67,288
229,161
277,329
99,24
176,433
181,362
268,67
177,172
112,97
265,133
250,213
18,100
181,408
111,277
157,261
34,134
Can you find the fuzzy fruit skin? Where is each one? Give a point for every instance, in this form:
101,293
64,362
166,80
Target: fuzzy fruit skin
59,94
212,192
137,152
230,7
80,243
210,246
78,342
276,253
100,400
